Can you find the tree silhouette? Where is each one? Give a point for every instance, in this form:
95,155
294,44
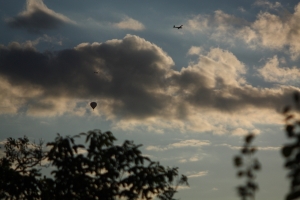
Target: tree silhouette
100,170
247,165
291,151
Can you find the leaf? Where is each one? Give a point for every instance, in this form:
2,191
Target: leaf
250,174
249,138
287,151
238,161
290,130
252,185
289,164
257,165
240,174
75,148
244,150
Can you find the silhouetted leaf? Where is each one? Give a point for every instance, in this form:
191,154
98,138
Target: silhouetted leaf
238,161
289,164
287,150
293,195
240,173
290,130
249,138
249,174
257,165
245,150
247,171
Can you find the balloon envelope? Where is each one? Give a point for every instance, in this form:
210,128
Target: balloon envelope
93,105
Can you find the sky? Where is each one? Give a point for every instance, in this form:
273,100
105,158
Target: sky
188,95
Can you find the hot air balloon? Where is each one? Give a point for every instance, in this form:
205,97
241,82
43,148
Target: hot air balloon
93,105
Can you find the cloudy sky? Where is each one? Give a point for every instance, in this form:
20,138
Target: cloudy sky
187,95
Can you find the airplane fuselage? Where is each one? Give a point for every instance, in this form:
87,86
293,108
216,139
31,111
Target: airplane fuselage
178,27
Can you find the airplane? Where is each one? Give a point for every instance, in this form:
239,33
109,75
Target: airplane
178,27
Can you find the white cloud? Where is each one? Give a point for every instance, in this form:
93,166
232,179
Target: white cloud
183,187
267,4
190,143
194,50
198,23
260,148
220,26
275,31
196,174
194,159
239,132
243,132
268,148
184,143
129,23
155,148
13,97
241,9
272,72
220,21
269,30
230,146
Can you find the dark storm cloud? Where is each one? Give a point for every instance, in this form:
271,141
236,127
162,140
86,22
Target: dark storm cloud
135,80
37,17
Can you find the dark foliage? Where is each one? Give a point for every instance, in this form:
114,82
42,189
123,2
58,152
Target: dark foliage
291,151
18,177
247,165
101,170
